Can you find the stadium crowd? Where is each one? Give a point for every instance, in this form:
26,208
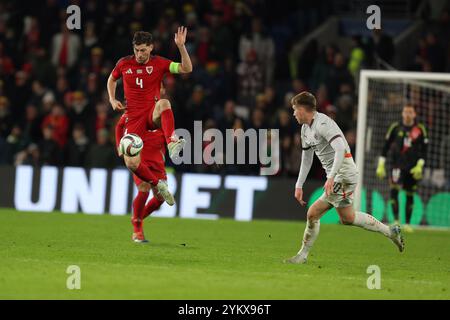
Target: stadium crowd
54,109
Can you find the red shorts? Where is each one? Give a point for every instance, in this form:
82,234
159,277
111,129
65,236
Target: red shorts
152,154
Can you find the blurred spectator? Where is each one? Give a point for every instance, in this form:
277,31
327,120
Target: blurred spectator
338,75
90,39
228,80
259,43
286,146
270,98
182,89
322,99
77,147
92,89
293,157
435,53
261,103
66,48
250,79
344,112
31,35
284,123
6,63
20,94
383,45
139,15
258,120
30,156
204,50
95,64
59,123
322,66
331,111
420,55
50,152
43,69
298,86
102,119
32,124
5,117
307,59
196,108
287,101
357,57
48,101
228,117
62,88
350,136
81,112
15,142
222,41
101,154
38,92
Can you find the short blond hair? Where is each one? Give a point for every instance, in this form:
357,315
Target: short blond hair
305,99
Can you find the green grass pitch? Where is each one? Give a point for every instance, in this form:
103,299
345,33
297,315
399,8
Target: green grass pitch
198,259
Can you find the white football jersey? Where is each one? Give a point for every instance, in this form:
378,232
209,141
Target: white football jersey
318,137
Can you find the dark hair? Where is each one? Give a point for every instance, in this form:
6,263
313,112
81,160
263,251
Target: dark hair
142,37
305,99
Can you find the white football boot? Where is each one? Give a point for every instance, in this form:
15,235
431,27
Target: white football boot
163,190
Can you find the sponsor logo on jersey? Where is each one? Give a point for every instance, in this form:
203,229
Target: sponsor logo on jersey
138,71
149,69
129,71
415,133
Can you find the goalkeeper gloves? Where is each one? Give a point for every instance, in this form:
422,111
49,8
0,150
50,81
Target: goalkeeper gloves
381,170
418,169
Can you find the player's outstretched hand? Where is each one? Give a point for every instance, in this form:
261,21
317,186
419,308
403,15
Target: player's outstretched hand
329,186
299,196
180,36
381,170
417,171
117,105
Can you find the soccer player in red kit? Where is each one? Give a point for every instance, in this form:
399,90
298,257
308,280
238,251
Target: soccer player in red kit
149,117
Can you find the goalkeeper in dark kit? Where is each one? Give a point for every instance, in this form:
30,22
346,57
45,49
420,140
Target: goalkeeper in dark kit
407,142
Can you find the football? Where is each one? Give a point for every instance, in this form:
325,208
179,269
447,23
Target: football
131,144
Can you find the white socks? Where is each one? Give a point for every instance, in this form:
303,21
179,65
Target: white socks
362,220
370,223
309,236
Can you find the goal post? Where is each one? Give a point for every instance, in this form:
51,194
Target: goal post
381,97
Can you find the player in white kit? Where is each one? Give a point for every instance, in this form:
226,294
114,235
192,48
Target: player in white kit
322,136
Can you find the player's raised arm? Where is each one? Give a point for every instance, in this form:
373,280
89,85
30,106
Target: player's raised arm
111,86
180,40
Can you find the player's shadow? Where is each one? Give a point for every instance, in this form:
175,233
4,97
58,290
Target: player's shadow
166,245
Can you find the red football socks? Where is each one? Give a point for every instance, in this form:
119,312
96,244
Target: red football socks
145,174
152,206
167,124
138,208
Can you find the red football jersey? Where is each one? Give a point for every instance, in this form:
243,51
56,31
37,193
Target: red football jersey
141,84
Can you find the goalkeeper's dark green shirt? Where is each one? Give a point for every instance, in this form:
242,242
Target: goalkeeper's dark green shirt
407,144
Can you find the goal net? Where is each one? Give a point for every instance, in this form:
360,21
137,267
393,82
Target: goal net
382,95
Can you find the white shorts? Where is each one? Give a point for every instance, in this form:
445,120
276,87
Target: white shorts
342,195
